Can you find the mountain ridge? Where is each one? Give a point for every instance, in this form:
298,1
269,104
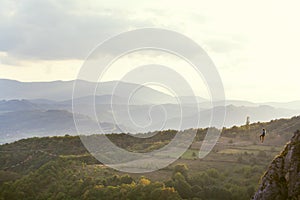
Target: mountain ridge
8,92
63,90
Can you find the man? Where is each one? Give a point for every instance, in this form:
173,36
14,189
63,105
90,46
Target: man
262,136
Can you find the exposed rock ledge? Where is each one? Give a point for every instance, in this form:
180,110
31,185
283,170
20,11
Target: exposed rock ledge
282,180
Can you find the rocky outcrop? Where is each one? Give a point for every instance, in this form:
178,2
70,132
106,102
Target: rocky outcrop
282,179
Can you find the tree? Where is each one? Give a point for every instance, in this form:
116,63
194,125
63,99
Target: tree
166,193
182,169
194,154
184,189
144,181
126,179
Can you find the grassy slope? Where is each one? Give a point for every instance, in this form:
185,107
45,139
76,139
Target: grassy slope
238,157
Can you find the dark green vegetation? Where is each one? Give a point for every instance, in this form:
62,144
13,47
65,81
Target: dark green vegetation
61,168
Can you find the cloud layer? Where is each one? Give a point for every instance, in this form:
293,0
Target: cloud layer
54,30
254,44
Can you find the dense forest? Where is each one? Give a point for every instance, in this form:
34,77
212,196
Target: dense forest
61,168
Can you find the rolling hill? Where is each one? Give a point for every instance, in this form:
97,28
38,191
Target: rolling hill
28,123
31,118
45,108
61,168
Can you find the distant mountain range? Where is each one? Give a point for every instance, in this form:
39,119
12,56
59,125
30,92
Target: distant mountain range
22,124
62,91
45,108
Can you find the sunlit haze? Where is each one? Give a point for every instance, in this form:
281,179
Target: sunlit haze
254,44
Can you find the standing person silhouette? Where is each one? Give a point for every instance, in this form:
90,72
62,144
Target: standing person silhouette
262,136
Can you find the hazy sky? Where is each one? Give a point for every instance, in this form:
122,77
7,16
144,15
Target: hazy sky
254,44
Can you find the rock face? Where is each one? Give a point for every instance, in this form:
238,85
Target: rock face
282,179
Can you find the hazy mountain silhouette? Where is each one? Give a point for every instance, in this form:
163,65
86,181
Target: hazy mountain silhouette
62,90
29,123
235,115
148,111
26,117
16,105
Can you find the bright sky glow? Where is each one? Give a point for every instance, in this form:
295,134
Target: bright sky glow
254,44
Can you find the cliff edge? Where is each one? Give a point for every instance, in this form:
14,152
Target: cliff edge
282,180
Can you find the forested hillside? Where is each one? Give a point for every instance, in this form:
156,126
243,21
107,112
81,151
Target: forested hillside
61,168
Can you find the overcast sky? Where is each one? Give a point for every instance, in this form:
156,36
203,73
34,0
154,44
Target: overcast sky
254,44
